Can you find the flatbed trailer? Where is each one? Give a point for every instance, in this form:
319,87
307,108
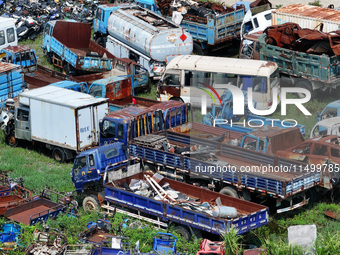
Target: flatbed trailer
250,215
244,170
36,209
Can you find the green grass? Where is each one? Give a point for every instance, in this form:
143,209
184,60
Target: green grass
274,237
38,170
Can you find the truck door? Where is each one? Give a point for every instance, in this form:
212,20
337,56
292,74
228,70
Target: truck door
47,36
79,172
22,124
140,77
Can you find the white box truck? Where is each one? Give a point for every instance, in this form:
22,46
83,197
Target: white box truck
65,121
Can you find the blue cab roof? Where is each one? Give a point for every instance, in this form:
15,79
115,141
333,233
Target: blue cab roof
100,149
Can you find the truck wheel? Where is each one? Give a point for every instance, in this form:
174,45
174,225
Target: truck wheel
11,140
229,191
66,68
90,203
183,232
177,99
58,154
49,57
305,85
101,41
197,49
197,234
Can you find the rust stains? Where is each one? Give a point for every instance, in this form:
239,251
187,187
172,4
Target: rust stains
311,11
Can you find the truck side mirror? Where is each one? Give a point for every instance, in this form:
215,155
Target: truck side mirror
318,114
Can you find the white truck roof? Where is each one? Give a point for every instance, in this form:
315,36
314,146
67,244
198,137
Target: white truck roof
60,96
222,65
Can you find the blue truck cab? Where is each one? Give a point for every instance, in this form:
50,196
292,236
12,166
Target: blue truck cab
76,86
101,19
134,121
22,56
90,165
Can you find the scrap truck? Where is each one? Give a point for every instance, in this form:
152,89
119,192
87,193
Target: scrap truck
212,26
68,45
36,75
34,119
302,69
207,162
130,31
118,170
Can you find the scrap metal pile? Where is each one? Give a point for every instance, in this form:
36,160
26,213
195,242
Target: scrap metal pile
30,16
193,10
292,36
150,188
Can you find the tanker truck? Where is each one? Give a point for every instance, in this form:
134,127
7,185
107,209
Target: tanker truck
141,35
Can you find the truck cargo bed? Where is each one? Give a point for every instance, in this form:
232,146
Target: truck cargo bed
36,210
231,165
249,215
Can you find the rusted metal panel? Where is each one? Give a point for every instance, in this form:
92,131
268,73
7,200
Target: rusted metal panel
17,49
73,34
6,67
307,16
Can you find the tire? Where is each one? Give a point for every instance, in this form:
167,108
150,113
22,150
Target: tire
197,234
229,191
310,193
183,232
11,140
49,57
305,85
177,99
197,49
101,41
66,68
58,155
91,203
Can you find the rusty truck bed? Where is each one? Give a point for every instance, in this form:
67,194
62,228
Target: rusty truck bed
34,210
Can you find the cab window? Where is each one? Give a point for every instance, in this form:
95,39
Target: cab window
91,160
111,153
10,35
2,37
22,115
109,129
47,29
79,163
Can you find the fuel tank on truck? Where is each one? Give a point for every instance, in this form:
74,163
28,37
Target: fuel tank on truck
149,33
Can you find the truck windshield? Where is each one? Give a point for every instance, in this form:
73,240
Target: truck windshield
96,91
319,131
329,113
171,79
79,163
274,79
